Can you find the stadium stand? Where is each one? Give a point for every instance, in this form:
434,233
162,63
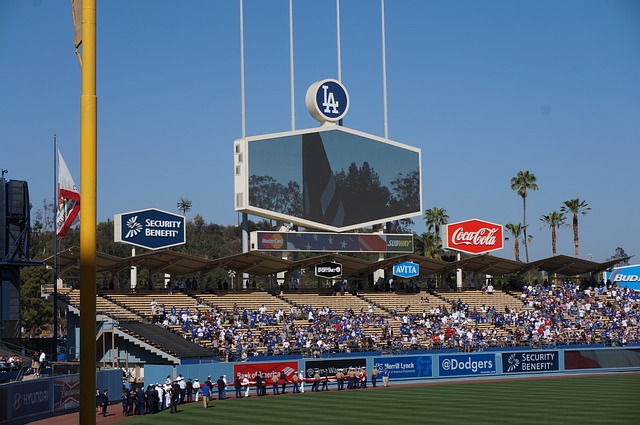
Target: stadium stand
235,326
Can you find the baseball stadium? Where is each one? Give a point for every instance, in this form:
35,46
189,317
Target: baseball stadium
324,307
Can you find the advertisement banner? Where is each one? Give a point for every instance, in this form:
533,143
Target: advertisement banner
29,398
473,236
330,242
331,366
406,367
150,228
66,392
595,359
523,362
267,368
467,364
628,276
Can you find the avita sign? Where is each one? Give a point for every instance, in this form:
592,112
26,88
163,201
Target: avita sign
473,236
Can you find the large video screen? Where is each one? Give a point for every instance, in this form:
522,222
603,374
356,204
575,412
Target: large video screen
328,178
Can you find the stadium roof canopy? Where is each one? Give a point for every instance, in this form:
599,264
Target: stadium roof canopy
260,264
488,264
571,266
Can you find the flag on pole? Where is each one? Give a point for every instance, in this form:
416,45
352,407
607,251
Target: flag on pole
68,200
76,11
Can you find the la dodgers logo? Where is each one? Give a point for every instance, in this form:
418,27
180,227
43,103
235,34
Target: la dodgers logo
330,104
327,100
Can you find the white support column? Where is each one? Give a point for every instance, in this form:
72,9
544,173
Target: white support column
134,271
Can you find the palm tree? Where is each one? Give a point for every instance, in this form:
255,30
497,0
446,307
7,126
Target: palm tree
575,207
522,183
553,221
427,245
435,218
184,205
516,232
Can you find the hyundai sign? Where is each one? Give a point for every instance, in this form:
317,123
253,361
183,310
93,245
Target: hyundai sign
406,269
151,228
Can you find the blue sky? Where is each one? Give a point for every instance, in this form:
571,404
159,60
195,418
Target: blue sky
484,88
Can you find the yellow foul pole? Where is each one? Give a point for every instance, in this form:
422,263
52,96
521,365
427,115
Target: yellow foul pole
88,188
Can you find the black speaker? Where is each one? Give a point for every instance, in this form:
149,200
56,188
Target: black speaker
15,226
9,302
18,198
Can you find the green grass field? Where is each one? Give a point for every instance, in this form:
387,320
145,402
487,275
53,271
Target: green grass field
575,400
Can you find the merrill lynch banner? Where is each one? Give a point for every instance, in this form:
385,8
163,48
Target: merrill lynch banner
331,242
405,367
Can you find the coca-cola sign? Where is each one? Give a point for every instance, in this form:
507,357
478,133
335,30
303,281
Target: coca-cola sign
473,236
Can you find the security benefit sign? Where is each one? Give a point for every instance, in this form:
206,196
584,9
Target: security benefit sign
405,367
151,228
525,362
467,364
329,270
406,269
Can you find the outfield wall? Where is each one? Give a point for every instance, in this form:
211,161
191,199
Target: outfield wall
44,397
424,365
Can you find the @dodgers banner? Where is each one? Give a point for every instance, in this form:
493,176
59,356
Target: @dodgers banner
467,364
525,362
405,367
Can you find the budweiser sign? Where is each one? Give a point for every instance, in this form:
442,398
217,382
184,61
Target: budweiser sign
473,236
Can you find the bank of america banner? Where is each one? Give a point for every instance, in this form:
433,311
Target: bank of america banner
331,242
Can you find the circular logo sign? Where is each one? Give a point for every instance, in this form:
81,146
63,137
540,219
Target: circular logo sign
327,100
274,241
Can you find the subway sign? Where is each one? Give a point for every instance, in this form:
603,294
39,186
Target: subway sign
150,228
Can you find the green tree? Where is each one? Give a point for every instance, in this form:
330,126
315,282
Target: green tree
184,205
620,255
435,218
427,245
554,220
516,231
575,207
522,183
36,312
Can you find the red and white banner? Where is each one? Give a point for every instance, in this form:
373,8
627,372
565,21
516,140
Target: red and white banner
68,199
267,368
473,236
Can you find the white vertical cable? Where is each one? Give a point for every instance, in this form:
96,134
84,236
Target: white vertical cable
384,76
293,103
242,95
338,39
245,216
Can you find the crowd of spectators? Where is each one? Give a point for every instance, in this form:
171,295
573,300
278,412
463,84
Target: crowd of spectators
9,363
551,315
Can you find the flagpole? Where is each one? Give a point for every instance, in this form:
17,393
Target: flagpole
54,352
